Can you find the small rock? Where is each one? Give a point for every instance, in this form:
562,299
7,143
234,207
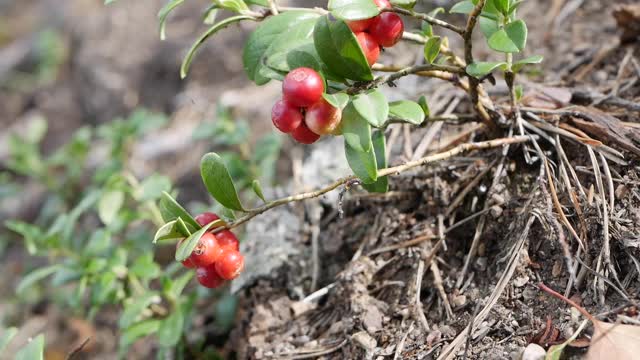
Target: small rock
364,340
459,300
521,281
533,352
496,211
481,263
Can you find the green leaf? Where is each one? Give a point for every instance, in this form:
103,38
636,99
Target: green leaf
511,39
218,181
382,183
518,65
233,5
339,100
519,92
427,29
34,350
407,4
141,329
356,129
353,9
424,105
432,49
178,285
338,48
372,106
171,210
133,310
186,247
152,187
164,13
186,62
408,111
480,69
257,188
488,26
502,6
35,276
145,268
170,329
6,337
210,15
263,37
362,163
264,3
109,205
462,7
167,232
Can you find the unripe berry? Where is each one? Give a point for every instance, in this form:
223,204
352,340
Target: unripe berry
230,264
206,218
364,24
228,240
285,116
323,118
303,135
207,251
369,46
302,87
208,277
387,29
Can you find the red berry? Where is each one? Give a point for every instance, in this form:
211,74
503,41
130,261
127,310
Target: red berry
206,218
387,29
304,136
207,251
382,4
208,277
323,118
228,240
369,46
285,116
230,264
302,87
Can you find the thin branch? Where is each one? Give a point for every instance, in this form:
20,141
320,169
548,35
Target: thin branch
383,172
404,72
430,19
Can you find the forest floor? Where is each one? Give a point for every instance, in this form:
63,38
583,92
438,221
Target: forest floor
449,263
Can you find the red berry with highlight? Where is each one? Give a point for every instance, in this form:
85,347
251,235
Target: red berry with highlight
304,136
207,251
302,87
208,277
387,29
323,118
230,264
228,240
369,46
206,218
285,116
363,25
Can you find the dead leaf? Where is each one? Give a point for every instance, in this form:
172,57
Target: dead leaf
614,341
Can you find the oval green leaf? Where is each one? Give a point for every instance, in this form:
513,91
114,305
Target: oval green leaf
432,49
35,276
218,181
339,100
480,69
171,210
170,329
353,9
362,163
372,106
408,111
355,129
511,39
338,48
381,185
518,65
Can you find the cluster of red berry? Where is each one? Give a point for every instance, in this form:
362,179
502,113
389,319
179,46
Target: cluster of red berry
302,111
384,30
216,257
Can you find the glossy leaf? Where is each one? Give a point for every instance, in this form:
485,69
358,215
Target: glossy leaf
372,106
408,111
218,181
407,4
425,106
186,62
264,35
186,247
164,13
34,350
353,9
338,48
171,210
518,65
432,49
339,100
502,6
355,129
362,163
480,69
232,5
488,26
511,39
462,7
381,185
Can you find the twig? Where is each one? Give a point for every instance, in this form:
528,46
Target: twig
387,79
430,19
78,349
383,172
557,295
400,345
